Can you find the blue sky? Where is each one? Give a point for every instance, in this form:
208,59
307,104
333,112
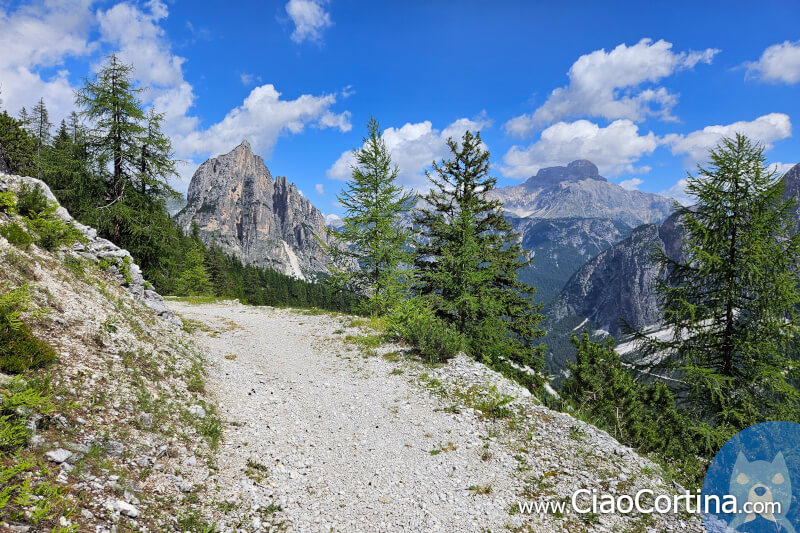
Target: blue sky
641,90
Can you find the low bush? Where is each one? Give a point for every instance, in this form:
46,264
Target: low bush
31,201
16,235
20,350
8,202
435,340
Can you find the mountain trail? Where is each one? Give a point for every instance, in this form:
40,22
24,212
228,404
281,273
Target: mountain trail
328,432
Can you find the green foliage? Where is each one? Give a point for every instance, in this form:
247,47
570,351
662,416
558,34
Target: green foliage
31,201
415,322
194,280
19,399
468,258
20,350
602,391
51,233
733,297
17,147
16,235
372,235
8,202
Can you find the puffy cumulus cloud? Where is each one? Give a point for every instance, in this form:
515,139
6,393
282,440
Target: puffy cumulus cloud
631,184
310,19
138,39
765,129
614,148
609,85
320,188
780,63
42,35
678,193
413,148
261,119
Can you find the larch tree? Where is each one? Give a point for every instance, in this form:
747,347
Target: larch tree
372,234
731,300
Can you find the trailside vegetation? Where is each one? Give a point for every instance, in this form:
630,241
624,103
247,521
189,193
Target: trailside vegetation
110,164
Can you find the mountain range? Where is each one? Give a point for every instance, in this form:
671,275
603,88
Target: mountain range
618,285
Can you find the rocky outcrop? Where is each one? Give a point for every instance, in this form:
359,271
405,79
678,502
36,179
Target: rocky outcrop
117,261
578,190
617,285
560,246
237,204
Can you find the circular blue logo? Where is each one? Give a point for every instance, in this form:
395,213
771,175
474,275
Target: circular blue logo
753,483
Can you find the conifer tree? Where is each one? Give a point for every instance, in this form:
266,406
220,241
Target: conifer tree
467,259
731,300
40,127
110,101
17,147
372,233
156,163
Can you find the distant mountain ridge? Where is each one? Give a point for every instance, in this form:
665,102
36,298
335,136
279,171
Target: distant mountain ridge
578,191
238,205
566,215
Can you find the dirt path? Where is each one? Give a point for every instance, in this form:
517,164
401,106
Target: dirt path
325,437
337,439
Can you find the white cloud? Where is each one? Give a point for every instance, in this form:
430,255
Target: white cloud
42,36
309,18
610,85
334,220
614,148
413,148
765,129
631,184
780,63
320,188
781,168
261,119
678,192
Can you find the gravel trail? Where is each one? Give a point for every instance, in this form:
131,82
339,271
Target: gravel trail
324,436
345,444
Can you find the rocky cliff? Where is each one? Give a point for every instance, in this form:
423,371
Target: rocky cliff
619,284
568,215
237,204
578,190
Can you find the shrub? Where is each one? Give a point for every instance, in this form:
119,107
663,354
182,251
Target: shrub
16,235
18,399
51,232
435,340
8,202
31,201
20,350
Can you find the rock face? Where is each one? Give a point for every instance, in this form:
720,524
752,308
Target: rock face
98,249
619,284
264,221
568,215
578,191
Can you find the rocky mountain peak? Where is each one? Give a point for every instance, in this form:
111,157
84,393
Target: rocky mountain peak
578,170
237,204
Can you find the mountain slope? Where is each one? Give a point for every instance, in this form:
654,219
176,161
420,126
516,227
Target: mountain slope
578,191
119,442
568,215
618,285
264,221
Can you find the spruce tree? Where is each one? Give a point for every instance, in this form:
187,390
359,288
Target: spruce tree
731,300
372,234
468,257
17,147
